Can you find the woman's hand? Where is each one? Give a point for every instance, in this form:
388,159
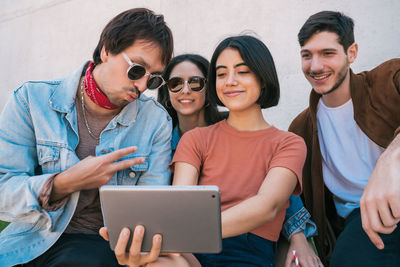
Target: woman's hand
304,251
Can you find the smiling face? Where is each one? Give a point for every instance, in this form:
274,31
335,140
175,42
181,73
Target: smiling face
111,75
325,64
187,102
237,86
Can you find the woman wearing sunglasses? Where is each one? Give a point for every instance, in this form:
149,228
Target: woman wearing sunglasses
185,96
189,104
256,166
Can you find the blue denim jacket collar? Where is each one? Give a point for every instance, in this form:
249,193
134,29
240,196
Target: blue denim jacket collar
63,99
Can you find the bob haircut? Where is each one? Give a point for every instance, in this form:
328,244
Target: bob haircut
329,21
131,25
257,57
211,114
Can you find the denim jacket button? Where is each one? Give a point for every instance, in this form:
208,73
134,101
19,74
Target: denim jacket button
132,175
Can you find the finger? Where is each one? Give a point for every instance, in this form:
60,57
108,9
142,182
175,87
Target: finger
385,215
136,246
313,261
375,222
104,233
394,204
155,250
303,262
120,248
125,164
117,154
374,237
289,259
307,261
319,262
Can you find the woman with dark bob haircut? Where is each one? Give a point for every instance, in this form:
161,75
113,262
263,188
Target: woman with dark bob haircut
256,166
188,101
258,59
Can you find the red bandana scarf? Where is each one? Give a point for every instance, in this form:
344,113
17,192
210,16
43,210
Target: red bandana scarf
94,92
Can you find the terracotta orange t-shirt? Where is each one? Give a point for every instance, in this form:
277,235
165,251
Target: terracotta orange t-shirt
238,161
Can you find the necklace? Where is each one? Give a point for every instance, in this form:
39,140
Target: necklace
84,114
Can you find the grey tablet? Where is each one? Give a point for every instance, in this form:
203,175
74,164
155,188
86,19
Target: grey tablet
187,217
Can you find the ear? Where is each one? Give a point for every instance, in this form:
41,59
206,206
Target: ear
104,54
352,52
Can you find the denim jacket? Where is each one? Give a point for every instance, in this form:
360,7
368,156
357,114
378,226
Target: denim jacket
38,137
297,217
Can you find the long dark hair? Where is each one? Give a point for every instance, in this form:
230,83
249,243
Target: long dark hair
211,113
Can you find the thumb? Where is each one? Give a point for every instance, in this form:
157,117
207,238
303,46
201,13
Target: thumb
104,233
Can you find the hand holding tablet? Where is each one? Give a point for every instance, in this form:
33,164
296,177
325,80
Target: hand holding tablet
187,217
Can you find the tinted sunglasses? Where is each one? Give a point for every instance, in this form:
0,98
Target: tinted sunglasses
195,83
137,71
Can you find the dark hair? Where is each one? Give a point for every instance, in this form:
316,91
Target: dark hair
329,21
258,58
131,25
211,114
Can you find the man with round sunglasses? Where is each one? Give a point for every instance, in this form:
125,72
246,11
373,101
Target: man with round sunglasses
137,71
62,139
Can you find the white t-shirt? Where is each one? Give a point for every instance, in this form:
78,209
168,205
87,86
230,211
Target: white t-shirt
348,155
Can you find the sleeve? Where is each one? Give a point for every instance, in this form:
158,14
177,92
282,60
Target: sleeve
44,196
291,154
396,77
189,150
384,86
20,186
160,156
298,219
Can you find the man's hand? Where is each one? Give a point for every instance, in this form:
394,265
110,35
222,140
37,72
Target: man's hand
134,258
380,202
305,252
92,172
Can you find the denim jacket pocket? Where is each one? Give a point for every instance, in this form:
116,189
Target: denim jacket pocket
131,175
48,158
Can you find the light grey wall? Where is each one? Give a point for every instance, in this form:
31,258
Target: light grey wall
45,39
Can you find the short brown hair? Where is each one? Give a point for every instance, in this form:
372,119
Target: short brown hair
330,21
131,25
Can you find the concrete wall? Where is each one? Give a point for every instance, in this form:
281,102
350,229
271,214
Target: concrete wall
46,39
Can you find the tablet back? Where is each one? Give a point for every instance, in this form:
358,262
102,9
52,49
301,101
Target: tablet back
187,217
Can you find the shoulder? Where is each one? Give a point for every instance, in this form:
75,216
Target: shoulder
154,108
301,123
289,138
382,72
207,129
390,65
38,87
62,90
202,135
203,131
36,93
